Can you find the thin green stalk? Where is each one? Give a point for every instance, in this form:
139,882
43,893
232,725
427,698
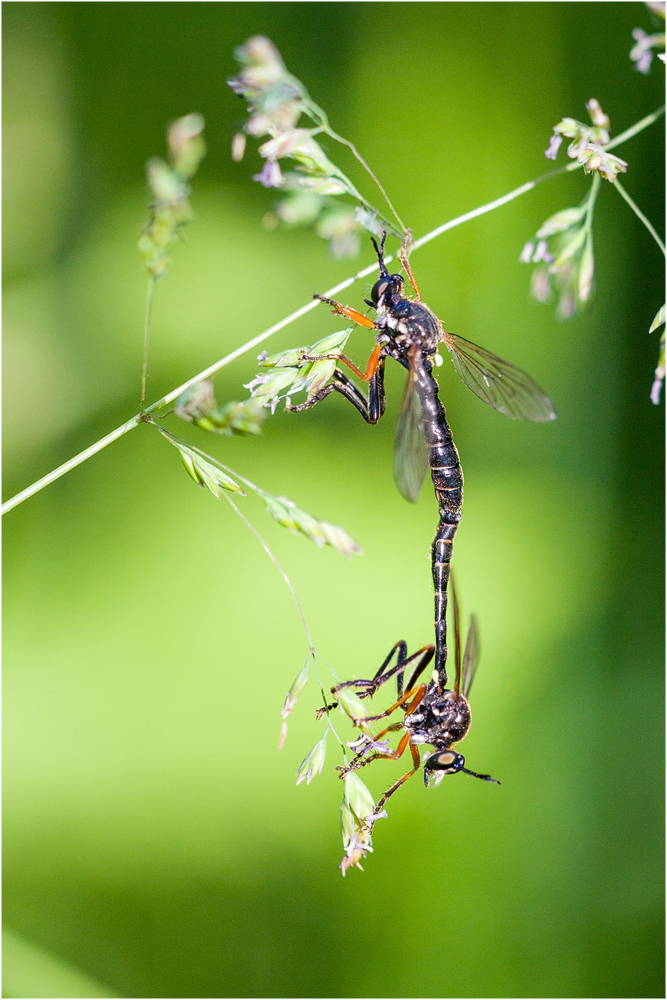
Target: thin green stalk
352,189
280,570
150,294
590,206
72,463
355,151
636,128
320,116
638,212
83,456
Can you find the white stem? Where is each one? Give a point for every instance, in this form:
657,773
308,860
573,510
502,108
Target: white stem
69,465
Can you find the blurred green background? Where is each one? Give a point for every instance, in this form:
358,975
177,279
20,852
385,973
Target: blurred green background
155,841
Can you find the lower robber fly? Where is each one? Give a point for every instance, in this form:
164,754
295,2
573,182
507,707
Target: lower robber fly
410,333
433,715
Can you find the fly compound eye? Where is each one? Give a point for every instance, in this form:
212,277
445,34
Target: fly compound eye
379,289
447,761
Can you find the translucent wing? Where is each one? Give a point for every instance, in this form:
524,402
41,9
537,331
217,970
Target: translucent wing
457,634
470,657
410,452
502,385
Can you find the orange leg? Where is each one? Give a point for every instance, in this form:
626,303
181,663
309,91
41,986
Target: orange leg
399,751
347,311
359,760
390,791
365,376
418,693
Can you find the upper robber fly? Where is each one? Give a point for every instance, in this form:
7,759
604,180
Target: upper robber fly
410,332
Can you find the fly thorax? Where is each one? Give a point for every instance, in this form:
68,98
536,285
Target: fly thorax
450,718
416,321
399,328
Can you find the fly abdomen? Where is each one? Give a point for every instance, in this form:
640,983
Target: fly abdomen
447,477
444,461
441,557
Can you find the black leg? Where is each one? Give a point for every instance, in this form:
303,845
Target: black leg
376,400
342,384
369,687
428,652
318,397
402,648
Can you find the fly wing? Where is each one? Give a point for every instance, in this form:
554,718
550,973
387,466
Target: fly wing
457,634
470,657
410,452
502,385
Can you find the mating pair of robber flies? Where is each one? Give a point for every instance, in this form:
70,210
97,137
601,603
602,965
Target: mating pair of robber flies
410,333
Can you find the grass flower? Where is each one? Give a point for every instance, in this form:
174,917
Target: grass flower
562,249
313,762
588,143
276,103
357,807
168,183
642,51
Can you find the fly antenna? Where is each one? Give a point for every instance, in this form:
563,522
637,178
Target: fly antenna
380,253
484,777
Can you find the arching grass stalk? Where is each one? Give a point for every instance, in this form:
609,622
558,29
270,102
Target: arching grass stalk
316,111
129,425
638,212
302,678
282,572
150,294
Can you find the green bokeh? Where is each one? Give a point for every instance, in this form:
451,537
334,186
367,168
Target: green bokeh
154,838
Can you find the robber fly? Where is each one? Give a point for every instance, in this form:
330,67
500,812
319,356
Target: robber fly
408,331
433,715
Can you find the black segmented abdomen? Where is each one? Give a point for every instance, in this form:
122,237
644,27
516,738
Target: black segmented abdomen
447,476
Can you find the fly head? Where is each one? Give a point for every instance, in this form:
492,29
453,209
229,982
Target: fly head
448,762
439,764
387,291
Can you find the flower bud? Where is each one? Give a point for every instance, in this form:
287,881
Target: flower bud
292,695
586,272
540,284
186,144
351,705
598,117
271,175
527,252
313,763
164,183
554,145
558,223
358,797
238,147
